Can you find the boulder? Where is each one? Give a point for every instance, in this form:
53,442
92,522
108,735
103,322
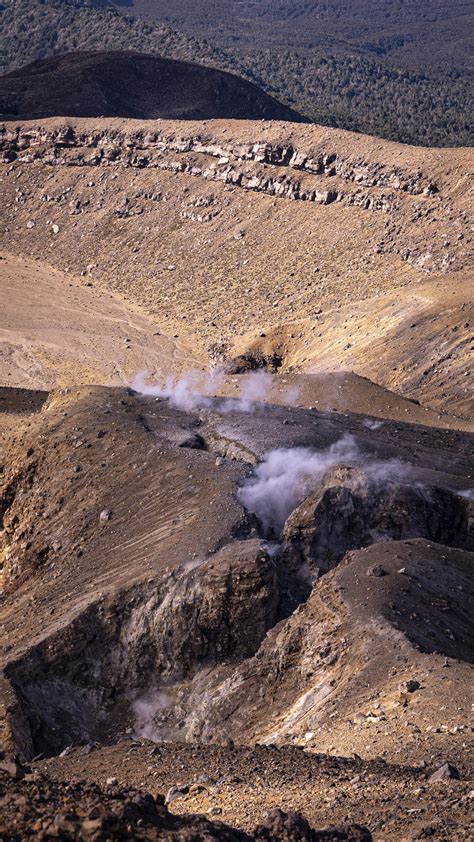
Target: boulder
445,772
11,766
223,608
290,827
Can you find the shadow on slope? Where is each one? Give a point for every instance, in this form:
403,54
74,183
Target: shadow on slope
130,84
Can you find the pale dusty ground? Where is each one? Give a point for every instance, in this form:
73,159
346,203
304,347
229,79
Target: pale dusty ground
328,285
56,331
60,330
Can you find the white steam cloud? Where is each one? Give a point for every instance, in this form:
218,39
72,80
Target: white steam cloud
287,475
371,424
187,393
254,389
291,395
145,710
193,390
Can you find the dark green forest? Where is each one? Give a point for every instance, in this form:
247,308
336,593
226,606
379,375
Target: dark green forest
328,66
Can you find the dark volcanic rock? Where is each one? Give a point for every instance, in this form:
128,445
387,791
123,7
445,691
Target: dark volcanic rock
219,609
128,84
445,772
286,827
222,608
352,509
46,809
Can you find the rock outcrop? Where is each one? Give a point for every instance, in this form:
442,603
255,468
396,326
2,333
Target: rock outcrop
156,634
261,167
354,508
141,597
320,172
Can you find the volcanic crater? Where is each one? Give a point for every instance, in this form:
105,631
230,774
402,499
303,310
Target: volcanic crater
236,512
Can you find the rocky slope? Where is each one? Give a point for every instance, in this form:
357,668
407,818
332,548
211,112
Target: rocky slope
191,537
247,586
141,595
55,801
343,252
36,805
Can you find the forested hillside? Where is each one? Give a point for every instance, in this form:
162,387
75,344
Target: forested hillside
415,34
322,59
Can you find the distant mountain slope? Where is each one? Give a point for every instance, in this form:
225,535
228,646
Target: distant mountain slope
400,70
130,84
31,30
360,94
351,82
413,34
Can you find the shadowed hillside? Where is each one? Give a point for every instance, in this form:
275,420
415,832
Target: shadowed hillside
129,84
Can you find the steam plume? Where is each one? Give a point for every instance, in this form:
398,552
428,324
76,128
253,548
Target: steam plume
287,475
291,395
145,710
371,424
193,389
186,393
254,389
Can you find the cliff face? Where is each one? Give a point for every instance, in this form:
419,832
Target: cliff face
312,170
159,604
282,165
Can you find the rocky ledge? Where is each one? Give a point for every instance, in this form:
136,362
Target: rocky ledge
263,167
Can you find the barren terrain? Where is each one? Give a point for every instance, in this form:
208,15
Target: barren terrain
253,584
348,253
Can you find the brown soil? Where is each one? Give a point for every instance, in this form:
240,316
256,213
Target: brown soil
242,784
59,331
133,574
376,282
